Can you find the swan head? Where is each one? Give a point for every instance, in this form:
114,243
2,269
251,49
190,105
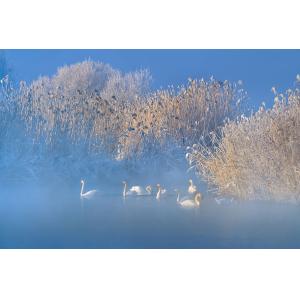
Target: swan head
81,181
124,182
190,181
149,189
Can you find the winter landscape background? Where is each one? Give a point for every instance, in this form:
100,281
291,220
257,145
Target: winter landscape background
90,120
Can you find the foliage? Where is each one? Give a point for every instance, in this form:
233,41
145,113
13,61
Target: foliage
90,112
256,156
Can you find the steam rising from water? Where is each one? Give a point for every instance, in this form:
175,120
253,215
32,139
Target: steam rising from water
49,215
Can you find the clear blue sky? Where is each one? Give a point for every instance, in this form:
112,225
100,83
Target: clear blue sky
258,69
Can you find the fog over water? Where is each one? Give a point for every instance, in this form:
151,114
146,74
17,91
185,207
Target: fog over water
92,122
51,215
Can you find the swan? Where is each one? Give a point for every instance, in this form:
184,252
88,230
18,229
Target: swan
189,202
136,190
192,188
160,191
87,195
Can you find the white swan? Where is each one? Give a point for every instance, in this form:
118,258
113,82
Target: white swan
87,195
189,202
160,191
192,188
136,190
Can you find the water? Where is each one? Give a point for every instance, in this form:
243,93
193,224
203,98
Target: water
52,217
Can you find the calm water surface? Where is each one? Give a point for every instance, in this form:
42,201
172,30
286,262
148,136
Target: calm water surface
54,218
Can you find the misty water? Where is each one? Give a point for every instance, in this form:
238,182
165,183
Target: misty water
52,216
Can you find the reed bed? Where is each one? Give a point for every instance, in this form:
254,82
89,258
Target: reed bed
257,156
89,118
89,113
124,122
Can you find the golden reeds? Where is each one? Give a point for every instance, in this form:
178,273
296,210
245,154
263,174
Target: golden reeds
130,125
256,156
90,111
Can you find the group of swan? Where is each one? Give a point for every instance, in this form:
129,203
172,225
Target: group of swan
194,194
136,190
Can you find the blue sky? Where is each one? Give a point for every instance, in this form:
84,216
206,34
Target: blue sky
258,69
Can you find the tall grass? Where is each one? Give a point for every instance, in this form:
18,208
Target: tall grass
90,112
256,156
90,117
128,127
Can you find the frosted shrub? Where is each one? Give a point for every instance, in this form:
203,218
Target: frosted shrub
257,156
180,116
13,143
88,77
130,127
90,112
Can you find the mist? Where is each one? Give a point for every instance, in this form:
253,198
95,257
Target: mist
52,215
94,123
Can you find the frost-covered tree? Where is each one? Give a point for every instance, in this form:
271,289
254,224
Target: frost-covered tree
94,77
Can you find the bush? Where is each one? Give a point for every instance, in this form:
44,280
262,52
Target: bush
89,77
130,127
256,156
90,112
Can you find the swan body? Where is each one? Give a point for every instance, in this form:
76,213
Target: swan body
195,202
188,203
192,188
140,190
160,191
87,195
136,190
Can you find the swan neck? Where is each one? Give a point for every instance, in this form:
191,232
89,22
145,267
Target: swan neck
197,199
158,193
148,190
125,189
82,186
